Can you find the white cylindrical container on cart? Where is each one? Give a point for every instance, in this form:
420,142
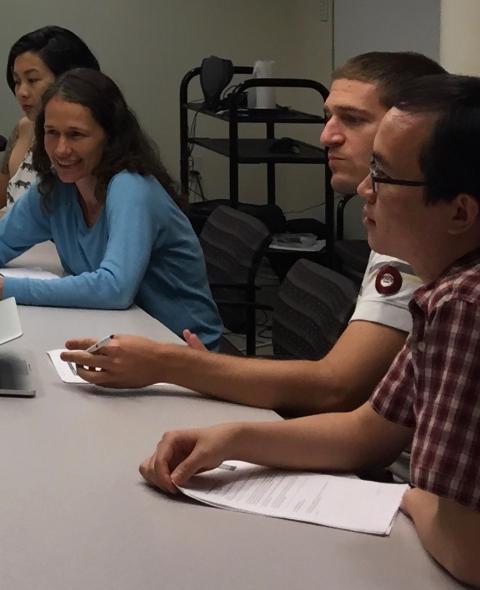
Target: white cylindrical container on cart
262,97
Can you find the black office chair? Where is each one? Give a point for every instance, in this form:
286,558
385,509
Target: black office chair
351,256
233,243
313,307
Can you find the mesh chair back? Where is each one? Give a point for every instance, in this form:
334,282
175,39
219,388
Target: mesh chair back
314,305
233,243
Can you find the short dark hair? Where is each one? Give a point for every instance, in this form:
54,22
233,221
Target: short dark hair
389,70
59,48
127,146
450,158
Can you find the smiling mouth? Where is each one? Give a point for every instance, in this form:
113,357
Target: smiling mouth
65,164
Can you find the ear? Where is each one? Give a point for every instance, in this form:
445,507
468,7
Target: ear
465,212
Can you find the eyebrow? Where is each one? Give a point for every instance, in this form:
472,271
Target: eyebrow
379,159
30,71
348,110
81,129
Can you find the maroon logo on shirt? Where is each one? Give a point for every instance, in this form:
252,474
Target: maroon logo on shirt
388,281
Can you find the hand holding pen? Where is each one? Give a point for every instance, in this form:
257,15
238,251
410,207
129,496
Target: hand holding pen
120,360
92,350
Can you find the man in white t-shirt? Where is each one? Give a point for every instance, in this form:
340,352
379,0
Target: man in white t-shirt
361,93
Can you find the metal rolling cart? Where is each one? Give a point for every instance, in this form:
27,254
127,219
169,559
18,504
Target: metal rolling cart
257,151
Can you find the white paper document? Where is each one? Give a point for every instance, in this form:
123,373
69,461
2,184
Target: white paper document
27,273
317,246
66,371
343,502
68,374
10,326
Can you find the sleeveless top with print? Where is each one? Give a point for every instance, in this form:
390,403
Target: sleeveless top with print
23,178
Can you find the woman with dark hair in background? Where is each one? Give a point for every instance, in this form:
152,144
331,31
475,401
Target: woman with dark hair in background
107,202
34,62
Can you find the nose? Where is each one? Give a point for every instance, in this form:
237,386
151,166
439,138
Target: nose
22,90
365,189
62,147
332,135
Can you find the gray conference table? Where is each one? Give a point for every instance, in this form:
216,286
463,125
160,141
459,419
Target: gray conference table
75,514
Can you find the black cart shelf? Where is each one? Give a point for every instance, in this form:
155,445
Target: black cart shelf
256,151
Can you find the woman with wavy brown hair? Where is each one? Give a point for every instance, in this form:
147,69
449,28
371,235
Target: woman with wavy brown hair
108,203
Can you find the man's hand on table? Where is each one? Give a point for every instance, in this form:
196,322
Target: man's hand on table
126,361
182,453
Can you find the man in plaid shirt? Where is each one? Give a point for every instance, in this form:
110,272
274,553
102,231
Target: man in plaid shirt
422,204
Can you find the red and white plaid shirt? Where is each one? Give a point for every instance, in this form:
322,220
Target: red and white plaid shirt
434,384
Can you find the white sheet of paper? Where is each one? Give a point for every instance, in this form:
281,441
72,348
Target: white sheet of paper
330,500
66,372
10,326
27,273
316,247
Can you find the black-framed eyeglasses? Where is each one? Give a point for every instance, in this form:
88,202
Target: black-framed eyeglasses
376,179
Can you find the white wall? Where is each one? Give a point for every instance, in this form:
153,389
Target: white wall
148,45
460,39
384,25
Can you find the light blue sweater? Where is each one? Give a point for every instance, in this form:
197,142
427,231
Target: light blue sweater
142,249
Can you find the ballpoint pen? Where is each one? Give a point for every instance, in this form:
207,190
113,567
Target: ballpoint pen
99,344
